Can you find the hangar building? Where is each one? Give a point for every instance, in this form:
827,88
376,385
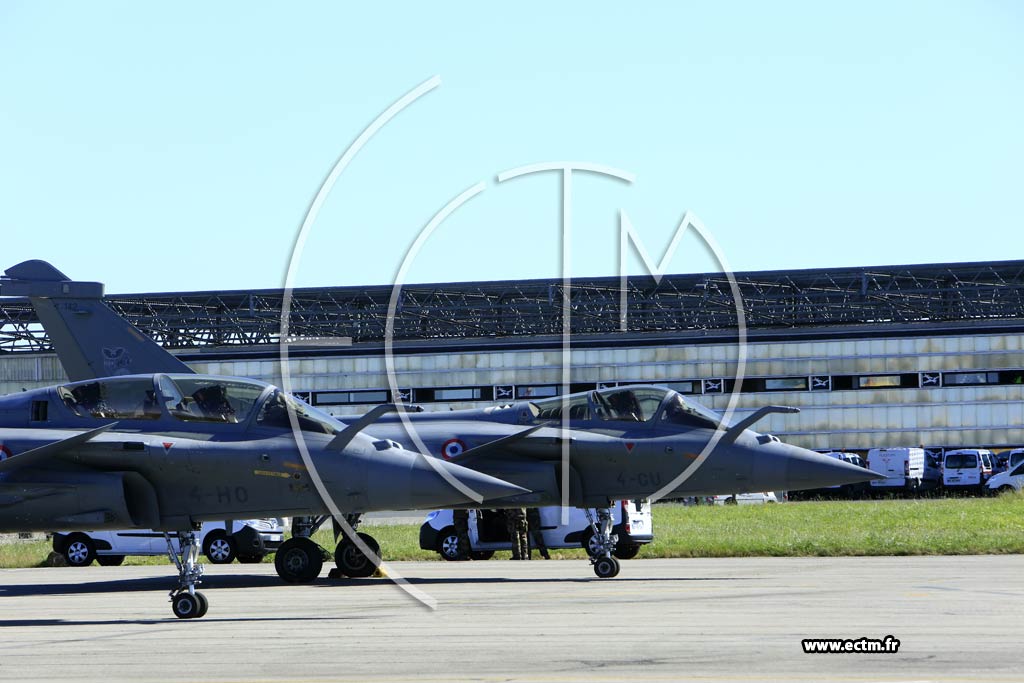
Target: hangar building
877,356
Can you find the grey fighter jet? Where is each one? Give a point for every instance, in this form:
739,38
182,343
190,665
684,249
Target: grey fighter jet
168,452
627,442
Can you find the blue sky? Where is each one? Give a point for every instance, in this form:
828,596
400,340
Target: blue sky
177,147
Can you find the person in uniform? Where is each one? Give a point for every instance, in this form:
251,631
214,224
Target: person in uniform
460,518
515,518
536,535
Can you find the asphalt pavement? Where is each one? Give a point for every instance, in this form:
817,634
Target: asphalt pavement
956,618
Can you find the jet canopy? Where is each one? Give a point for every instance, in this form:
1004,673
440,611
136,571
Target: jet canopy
642,404
192,398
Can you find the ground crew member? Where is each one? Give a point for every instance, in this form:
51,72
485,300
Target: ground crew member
515,520
460,518
536,535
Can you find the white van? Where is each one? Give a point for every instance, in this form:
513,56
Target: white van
488,532
1014,458
966,468
904,469
1007,481
250,540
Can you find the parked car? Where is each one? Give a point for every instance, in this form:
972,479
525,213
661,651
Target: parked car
250,540
966,469
1007,482
488,532
746,498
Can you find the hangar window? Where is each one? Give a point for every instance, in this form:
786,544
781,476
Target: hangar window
542,391
786,384
951,379
336,398
466,394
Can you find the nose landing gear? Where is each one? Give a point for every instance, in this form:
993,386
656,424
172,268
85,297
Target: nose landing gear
602,543
186,601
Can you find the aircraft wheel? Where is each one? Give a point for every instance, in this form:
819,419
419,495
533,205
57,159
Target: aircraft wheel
188,606
626,551
204,605
299,560
110,560
219,548
352,562
1006,489
606,567
79,550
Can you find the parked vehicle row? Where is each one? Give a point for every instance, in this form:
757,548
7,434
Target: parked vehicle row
250,540
488,531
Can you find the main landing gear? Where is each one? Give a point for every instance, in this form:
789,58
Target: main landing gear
300,559
186,601
602,543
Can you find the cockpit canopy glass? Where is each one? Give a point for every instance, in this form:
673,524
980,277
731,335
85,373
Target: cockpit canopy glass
129,398
274,413
628,404
679,411
209,399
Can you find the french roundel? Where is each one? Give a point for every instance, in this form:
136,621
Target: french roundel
452,448
5,452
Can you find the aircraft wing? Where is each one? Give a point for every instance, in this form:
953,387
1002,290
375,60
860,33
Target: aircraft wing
38,456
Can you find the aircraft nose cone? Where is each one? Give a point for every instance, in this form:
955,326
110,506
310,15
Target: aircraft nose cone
798,468
419,483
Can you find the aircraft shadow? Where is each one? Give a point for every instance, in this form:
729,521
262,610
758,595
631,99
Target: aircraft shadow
165,583
16,623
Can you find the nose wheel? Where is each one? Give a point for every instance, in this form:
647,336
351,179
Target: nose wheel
606,567
189,605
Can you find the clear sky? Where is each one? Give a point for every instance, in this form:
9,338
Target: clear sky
177,146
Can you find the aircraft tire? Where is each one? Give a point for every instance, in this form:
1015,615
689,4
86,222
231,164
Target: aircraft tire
251,559
606,567
204,605
79,550
352,562
626,551
299,560
110,560
188,606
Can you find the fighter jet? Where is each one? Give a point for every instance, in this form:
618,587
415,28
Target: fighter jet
168,452
626,442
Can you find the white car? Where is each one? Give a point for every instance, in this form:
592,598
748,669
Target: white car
250,540
488,532
1008,481
746,498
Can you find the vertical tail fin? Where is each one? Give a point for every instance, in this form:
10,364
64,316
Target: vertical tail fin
90,339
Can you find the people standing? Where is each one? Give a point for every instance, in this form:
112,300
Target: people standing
515,519
536,534
460,518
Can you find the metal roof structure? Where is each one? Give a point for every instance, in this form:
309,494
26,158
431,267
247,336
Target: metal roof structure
985,293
